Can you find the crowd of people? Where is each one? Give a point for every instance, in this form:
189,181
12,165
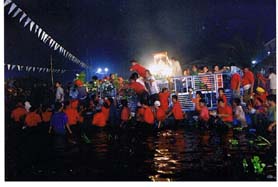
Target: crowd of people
74,112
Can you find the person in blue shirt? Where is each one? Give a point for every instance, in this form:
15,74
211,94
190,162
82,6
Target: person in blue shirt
59,121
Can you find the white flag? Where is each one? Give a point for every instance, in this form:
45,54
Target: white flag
45,38
26,68
50,42
29,69
40,69
53,43
32,25
56,46
17,12
28,20
34,69
12,8
18,67
39,32
13,66
22,17
7,2
36,28
42,36
9,66
61,49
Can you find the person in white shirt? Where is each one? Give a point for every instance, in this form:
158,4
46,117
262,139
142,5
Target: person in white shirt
59,93
239,114
272,78
152,87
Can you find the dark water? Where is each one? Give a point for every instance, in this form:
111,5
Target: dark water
185,154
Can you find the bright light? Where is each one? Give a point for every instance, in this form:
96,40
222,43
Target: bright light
160,69
254,62
106,69
99,70
268,52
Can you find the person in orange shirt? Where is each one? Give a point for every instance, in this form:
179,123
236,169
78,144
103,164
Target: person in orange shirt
148,114
138,68
196,100
99,118
140,113
74,103
262,94
32,119
18,113
73,119
160,114
204,113
176,111
225,112
125,114
247,82
222,95
46,114
163,98
106,109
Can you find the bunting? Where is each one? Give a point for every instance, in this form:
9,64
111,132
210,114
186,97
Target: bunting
41,34
34,69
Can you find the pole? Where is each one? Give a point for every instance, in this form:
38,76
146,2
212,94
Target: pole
51,70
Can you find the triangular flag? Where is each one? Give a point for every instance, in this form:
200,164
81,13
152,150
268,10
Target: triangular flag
50,42
29,69
42,36
56,46
17,12
13,66
9,66
39,32
22,17
18,67
28,20
36,28
26,68
31,25
46,37
44,69
34,69
61,49
58,70
12,8
40,69
7,2
53,43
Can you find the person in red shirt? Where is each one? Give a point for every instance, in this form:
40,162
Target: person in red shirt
247,83
138,88
74,103
18,113
235,85
262,94
138,68
32,119
163,98
204,113
222,95
176,111
225,112
148,116
125,114
99,118
160,114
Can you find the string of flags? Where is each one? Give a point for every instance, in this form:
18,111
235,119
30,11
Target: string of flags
16,12
14,67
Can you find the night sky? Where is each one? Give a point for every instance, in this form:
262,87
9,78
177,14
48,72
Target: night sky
112,32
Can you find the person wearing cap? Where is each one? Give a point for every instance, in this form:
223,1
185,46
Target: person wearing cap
262,94
247,83
159,114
